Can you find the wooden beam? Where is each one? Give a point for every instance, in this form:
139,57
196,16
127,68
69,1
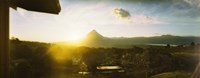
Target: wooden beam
4,38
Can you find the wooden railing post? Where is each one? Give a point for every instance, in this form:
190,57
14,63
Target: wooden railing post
4,39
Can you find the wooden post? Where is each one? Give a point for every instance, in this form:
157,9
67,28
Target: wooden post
4,39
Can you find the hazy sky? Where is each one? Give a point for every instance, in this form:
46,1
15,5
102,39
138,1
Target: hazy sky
111,18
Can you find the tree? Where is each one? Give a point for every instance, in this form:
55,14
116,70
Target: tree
192,44
168,45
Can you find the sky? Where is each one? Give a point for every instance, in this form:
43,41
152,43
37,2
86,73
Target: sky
111,18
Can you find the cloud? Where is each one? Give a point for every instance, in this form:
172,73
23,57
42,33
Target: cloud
144,19
198,19
157,33
193,2
125,0
121,13
134,18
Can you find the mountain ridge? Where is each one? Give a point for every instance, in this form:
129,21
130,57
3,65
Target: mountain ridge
94,39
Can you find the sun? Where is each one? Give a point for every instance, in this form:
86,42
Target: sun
74,38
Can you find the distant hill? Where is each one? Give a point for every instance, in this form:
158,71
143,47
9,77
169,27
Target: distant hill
94,39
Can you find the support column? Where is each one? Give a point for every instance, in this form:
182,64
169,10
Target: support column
4,38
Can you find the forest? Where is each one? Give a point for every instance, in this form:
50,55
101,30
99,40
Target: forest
49,60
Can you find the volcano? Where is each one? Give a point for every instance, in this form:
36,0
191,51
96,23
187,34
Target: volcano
93,35
94,39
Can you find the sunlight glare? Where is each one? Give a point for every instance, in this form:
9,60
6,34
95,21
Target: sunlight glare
60,53
75,38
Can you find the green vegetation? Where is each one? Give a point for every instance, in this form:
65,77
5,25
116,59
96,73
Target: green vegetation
41,60
176,74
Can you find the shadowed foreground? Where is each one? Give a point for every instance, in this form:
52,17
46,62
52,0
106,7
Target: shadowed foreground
42,60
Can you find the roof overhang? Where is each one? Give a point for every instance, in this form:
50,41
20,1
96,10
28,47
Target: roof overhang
47,6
